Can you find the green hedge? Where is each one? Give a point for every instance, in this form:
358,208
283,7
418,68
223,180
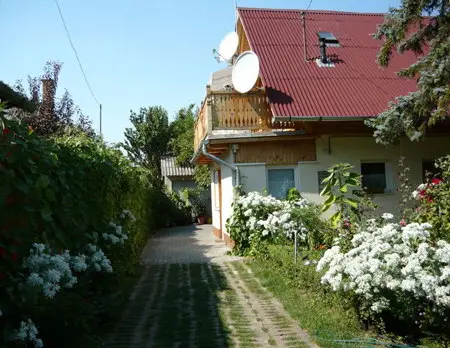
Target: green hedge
64,193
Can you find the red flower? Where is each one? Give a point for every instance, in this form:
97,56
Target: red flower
6,131
436,181
8,154
14,256
2,251
422,193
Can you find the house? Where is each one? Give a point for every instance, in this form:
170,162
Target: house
177,178
306,111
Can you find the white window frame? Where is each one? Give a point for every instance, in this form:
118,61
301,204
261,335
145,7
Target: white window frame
388,172
293,167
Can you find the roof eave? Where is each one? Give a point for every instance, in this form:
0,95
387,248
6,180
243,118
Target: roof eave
320,118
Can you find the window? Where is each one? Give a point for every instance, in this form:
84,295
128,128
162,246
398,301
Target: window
374,177
280,181
429,170
329,38
321,174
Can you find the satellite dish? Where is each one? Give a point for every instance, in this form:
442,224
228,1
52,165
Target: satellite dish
228,46
245,72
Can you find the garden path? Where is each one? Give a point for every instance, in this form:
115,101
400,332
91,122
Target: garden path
192,294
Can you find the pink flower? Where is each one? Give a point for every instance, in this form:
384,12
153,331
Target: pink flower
403,222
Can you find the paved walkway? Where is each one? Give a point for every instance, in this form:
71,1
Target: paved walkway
192,294
186,244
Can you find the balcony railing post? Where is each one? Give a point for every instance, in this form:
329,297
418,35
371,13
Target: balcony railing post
208,110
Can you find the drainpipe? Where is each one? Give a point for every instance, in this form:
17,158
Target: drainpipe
221,161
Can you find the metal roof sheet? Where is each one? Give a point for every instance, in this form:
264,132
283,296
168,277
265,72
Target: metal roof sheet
169,167
356,86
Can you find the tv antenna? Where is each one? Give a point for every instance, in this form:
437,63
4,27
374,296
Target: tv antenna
227,48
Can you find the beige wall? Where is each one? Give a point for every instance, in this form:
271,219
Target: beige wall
355,150
351,150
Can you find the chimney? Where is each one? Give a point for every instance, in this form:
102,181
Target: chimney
48,97
323,51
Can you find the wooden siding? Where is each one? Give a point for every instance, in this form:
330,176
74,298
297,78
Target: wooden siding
277,153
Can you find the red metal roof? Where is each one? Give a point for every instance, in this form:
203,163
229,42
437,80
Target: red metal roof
355,87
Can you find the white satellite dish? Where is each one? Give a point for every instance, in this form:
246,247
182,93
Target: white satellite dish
245,72
228,46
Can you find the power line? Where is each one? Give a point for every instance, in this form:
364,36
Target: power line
309,5
76,54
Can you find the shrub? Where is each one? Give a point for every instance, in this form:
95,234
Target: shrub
257,220
395,271
65,210
433,198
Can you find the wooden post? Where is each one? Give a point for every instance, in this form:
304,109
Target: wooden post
208,110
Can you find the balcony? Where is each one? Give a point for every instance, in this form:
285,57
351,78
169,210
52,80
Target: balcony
234,113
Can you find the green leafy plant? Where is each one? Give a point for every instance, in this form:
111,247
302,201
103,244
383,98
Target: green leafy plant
338,185
433,200
64,192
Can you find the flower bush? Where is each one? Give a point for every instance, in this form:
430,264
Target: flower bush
393,269
433,200
67,234
257,218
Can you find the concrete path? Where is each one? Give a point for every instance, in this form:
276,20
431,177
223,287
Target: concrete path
186,244
192,294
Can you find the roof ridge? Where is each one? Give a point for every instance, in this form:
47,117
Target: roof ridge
312,11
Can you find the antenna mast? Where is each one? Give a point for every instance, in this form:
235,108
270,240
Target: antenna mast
305,48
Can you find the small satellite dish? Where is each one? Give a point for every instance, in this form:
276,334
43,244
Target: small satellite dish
245,71
228,46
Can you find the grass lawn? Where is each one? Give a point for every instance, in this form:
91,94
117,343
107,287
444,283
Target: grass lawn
324,317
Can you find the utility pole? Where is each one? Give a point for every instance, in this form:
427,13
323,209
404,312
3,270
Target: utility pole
100,119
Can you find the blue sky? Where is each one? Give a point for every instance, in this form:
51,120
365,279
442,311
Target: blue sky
135,53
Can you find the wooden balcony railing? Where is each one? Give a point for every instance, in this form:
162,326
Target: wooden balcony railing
233,111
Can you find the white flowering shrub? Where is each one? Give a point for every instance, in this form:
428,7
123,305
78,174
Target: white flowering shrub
28,333
390,263
48,271
116,235
257,218
97,260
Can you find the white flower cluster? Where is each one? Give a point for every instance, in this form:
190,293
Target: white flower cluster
391,259
418,191
50,271
117,236
97,259
28,332
270,216
127,214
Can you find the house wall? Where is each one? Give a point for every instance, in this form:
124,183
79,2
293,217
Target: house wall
228,182
214,207
180,183
353,150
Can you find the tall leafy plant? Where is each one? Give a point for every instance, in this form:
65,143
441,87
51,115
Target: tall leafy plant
338,185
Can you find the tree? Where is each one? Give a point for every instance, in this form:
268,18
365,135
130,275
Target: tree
51,115
148,140
182,135
15,99
407,29
182,143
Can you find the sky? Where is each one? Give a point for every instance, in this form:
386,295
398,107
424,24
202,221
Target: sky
136,53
